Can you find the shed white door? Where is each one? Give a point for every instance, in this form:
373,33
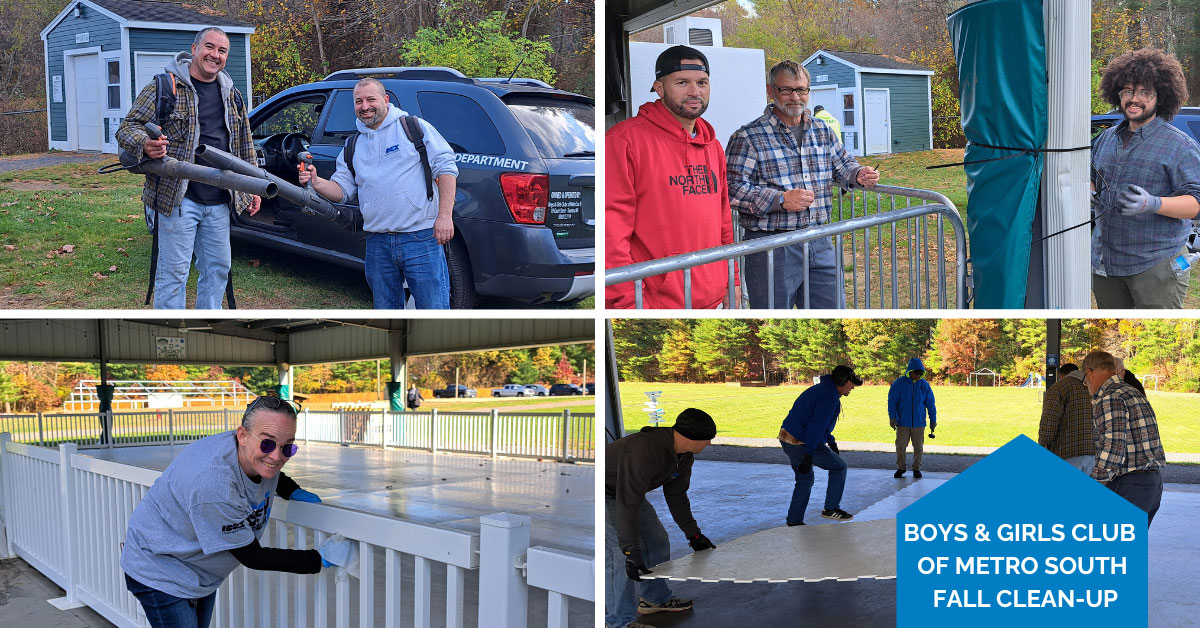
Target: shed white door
86,105
829,99
149,64
877,120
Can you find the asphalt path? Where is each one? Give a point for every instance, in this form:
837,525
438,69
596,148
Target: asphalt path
952,463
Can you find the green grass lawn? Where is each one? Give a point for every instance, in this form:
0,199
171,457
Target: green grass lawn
967,416
71,238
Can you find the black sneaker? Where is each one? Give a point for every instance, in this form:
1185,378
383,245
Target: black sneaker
673,605
792,525
837,513
917,473
899,473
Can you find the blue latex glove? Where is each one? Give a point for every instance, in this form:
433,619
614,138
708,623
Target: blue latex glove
301,495
1134,200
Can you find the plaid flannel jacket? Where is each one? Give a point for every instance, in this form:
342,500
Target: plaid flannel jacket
1126,432
764,160
1067,428
182,129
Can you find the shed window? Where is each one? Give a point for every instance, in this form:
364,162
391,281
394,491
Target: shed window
114,84
848,109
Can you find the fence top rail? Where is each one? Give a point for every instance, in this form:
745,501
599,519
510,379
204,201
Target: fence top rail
453,547
129,473
642,270
32,451
562,572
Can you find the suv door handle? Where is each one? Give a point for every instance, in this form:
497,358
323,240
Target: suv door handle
582,180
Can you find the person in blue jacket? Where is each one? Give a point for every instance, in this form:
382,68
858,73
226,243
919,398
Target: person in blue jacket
908,399
807,439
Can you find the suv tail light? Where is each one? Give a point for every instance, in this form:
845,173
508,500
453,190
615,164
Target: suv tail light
527,196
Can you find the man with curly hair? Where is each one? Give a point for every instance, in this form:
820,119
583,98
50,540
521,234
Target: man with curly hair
1147,178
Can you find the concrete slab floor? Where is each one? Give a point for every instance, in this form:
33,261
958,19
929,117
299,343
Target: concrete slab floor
731,500
23,595
451,490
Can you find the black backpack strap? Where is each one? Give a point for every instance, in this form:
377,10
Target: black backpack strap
416,135
348,152
153,258
229,289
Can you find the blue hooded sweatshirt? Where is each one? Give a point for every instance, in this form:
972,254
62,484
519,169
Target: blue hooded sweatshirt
814,414
908,400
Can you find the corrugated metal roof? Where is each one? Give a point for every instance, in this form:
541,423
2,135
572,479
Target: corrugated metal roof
265,342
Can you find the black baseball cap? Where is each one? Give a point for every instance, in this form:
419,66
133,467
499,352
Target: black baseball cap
846,373
671,60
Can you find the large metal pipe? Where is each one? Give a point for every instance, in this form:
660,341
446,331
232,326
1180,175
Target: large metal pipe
224,179
308,200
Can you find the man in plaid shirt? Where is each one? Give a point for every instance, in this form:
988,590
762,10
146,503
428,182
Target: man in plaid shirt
782,169
1146,174
1129,453
1067,428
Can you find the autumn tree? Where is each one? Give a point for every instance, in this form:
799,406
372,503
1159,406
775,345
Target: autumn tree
962,346
675,360
722,348
564,373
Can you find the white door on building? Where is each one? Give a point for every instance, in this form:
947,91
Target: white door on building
149,64
828,98
877,119
86,106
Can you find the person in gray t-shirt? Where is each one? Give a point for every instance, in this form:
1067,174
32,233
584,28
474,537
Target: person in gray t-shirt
205,514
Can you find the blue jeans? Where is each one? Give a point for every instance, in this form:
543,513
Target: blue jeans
1143,489
168,611
824,277
825,459
202,230
414,257
621,596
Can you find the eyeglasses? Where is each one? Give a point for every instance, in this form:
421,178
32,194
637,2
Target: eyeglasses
788,91
267,445
1143,93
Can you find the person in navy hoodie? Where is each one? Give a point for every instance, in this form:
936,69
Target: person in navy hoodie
807,438
908,399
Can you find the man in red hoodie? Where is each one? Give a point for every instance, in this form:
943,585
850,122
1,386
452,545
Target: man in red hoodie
665,175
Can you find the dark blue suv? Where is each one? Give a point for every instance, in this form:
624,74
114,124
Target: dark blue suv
524,211
1187,120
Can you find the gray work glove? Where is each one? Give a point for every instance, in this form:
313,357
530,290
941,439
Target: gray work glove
338,551
1134,200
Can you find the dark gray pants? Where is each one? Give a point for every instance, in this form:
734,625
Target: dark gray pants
824,277
1142,488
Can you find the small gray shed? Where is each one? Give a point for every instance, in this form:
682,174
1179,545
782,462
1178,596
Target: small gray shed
100,53
884,103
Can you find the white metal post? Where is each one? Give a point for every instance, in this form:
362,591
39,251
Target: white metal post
41,432
66,495
5,496
495,430
1065,177
503,592
433,431
565,425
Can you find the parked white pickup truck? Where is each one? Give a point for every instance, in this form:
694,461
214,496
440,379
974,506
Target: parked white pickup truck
509,390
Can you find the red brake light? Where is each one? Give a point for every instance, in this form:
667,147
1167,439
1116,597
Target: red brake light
527,196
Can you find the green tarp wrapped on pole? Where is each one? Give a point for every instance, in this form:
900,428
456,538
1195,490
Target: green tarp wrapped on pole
1000,49
396,396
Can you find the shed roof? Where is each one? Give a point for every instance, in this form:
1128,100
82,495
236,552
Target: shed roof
871,61
166,11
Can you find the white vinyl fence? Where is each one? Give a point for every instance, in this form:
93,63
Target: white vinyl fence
65,514
565,436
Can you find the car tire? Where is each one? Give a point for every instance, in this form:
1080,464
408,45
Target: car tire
462,279
495,394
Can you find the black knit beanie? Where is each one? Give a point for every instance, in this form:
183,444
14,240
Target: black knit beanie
694,424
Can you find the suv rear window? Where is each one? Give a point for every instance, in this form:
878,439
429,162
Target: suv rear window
558,127
462,122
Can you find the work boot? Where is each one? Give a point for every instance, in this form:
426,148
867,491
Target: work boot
917,473
673,605
899,473
792,525
837,513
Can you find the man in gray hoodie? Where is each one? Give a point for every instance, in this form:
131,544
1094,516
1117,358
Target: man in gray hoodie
405,228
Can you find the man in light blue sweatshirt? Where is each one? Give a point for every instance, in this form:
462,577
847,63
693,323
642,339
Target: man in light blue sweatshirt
405,228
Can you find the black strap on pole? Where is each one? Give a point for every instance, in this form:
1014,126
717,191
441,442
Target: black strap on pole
1019,152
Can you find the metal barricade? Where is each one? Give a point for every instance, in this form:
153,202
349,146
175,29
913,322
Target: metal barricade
866,281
